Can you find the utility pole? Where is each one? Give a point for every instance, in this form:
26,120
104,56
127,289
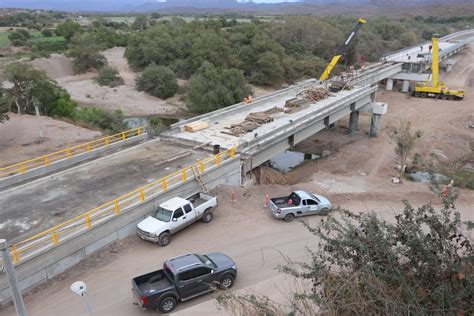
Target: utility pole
12,280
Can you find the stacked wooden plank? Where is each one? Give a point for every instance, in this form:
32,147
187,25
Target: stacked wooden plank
259,117
337,86
315,93
295,105
196,126
243,127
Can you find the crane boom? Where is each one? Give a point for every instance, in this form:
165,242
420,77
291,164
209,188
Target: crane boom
435,62
342,49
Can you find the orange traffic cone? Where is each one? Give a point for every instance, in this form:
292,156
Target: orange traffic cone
267,200
245,100
250,99
232,196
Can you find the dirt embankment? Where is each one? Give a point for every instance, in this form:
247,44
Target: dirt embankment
84,90
20,137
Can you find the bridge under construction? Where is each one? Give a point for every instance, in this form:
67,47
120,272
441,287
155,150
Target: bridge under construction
73,213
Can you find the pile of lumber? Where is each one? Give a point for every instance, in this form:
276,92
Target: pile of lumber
243,128
259,117
295,105
315,93
196,126
337,86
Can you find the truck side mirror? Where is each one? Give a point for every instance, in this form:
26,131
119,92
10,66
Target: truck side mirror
174,219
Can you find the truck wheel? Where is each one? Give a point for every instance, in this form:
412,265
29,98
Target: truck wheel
423,95
451,97
168,304
444,97
417,94
164,239
227,281
208,216
288,217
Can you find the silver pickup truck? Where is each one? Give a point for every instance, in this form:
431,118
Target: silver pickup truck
174,215
299,203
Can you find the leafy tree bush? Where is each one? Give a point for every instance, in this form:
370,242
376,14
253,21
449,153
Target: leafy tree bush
111,122
109,76
47,32
85,52
140,23
3,107
212,88
419,264
68,29
19,37
159,81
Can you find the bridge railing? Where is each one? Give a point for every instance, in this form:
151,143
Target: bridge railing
87,220
68,153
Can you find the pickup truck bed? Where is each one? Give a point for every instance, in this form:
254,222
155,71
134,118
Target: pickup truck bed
148,283
199,199
281,202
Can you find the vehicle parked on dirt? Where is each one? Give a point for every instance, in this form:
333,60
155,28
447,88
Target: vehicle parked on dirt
174,215
299,203
183,278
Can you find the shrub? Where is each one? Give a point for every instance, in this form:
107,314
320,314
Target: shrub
159,81
111,122
85,52
213,88
109,76
47,32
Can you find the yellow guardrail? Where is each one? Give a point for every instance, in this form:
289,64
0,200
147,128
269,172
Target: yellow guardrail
68,153
53,236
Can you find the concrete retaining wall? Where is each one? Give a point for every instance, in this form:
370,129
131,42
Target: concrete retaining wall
65,163
50,263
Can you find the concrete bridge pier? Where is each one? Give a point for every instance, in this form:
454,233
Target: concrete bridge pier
353,122
378,109
406,86
389,86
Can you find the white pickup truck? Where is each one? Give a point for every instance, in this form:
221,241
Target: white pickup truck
174,215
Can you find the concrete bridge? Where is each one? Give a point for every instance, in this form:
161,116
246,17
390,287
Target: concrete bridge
164,173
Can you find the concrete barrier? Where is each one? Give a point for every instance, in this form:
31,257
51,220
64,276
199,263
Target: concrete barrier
65,163
44,266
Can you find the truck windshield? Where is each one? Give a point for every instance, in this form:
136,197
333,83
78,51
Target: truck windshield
208,262
162,214
316,198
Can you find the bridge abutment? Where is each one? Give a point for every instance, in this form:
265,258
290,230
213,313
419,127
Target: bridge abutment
353,122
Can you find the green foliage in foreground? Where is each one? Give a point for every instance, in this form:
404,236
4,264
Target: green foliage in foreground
213,88
419,263
159,81
109,76
111,122
85,51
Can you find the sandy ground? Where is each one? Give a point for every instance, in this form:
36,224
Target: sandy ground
19,137
356,176
85,91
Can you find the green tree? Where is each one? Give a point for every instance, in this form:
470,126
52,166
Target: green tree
3,107
159,81
85,52
47,32
68,29
212,88
419,263
269,70
19,37
140,23
32,88
404,140
109,76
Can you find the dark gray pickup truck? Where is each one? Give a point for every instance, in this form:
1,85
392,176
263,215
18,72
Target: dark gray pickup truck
183,278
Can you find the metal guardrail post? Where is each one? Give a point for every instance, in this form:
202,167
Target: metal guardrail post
12,279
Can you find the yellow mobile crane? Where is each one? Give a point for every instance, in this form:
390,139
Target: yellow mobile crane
341,50
436,88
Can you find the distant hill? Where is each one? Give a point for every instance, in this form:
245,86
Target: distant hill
184,6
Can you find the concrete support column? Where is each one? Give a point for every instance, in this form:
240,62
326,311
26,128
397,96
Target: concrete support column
333,125
353,122
406,86
374,125
389,86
